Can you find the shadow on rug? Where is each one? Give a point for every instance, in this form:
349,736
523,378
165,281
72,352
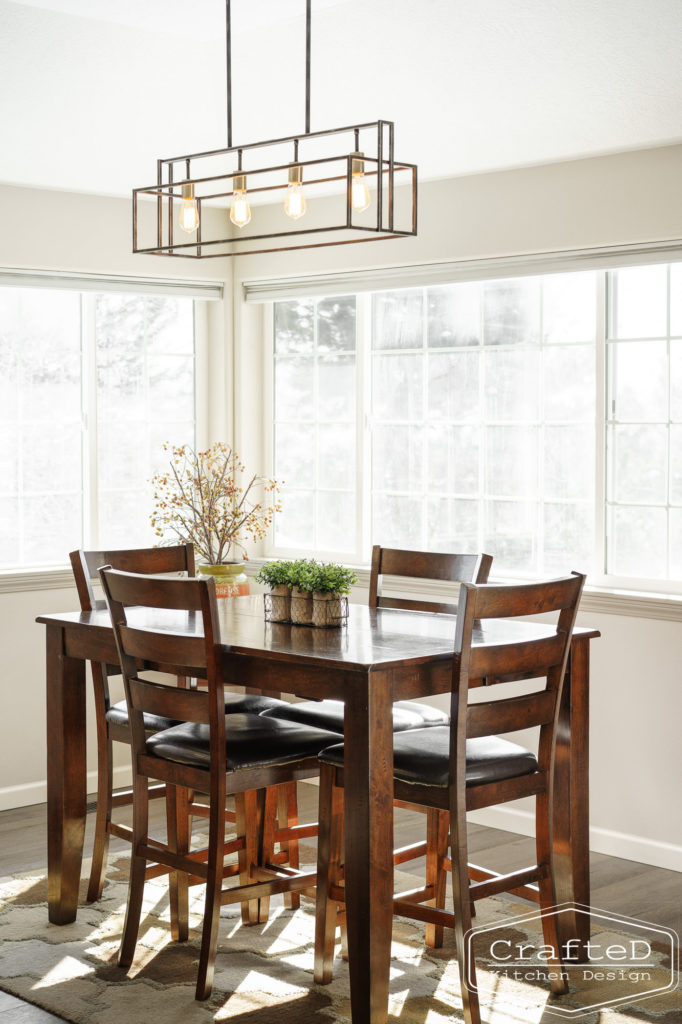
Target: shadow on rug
264,973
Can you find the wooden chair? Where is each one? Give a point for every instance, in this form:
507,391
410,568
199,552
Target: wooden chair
466,766
208,751
112,719
430,565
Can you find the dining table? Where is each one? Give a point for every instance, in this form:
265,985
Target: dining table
375,658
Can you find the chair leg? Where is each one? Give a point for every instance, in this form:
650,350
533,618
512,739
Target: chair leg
462,909
138,865
288,817
437,827
214,886
177,819
558,983
329,847
100,846
249,811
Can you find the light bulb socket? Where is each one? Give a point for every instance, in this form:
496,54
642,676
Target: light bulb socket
239,183
188,191
357,163
295,174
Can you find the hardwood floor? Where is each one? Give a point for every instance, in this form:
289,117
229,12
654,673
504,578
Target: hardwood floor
620,886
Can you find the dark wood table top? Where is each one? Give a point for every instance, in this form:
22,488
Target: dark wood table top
383,638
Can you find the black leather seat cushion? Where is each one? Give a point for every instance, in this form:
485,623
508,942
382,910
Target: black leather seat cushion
328,714
422,756
235,703
251,741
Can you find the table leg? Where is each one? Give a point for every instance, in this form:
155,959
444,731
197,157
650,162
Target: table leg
571,819
368,830
66,789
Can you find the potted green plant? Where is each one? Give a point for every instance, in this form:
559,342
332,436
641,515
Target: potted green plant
276,576
330,582
301,577
203,498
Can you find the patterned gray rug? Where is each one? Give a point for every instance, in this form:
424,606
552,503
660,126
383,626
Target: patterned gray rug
264,974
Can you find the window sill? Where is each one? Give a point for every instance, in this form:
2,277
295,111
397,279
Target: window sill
667,607
600,600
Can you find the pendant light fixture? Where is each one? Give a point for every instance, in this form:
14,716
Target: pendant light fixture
359,193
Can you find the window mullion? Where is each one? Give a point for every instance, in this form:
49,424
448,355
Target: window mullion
600,424
363,465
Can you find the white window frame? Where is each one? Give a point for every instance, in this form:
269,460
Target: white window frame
664,594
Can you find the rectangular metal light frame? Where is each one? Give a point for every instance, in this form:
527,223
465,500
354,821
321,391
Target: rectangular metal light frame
382,165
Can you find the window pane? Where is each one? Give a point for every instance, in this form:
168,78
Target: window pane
295,327
336,525
453,457
295,454
676,380
41,424
335,456
511,461
569,307
397,458
453,386
639,464
568,538
511,312
676,300
569,383
336,324
397,387
640,302
398,319
639,380
454,315
397,521
637,542
295,389
675,516
511,385
569,463
676,465
452,525
511,531
295,524
145,396
336,388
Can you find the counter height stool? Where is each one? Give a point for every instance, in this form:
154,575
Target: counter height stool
429,565
112,719
208,751
465,766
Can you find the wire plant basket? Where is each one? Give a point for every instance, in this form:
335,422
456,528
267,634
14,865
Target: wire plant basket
324,611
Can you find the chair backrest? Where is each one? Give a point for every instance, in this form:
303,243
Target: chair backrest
179,645
179,558
542,655
428,565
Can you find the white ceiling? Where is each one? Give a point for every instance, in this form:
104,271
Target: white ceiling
93,92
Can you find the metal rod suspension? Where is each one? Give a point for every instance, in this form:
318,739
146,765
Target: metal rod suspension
228,65
307,65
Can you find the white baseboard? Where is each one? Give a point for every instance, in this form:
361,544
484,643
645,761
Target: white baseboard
602,840
36,792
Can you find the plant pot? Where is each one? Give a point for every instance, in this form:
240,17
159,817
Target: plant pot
230,579
301,606
327,609
280,603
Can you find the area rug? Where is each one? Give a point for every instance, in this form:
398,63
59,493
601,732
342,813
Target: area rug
264,973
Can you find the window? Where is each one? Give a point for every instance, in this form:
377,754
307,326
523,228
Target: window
473,416
90,385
